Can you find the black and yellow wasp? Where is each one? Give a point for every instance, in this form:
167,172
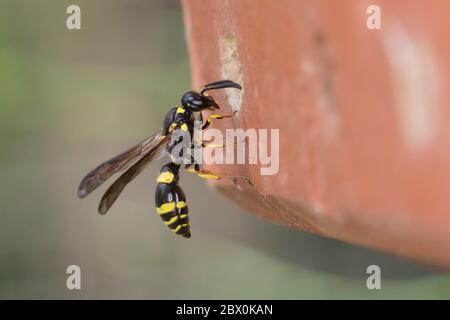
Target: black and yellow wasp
169,197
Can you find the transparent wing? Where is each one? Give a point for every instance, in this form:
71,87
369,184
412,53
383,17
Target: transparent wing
117,187
118,163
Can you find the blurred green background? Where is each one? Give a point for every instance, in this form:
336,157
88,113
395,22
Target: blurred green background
71,99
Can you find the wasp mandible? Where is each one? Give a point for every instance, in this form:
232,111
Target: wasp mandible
170,199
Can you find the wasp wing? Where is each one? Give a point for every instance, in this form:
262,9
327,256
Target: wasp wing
117,187
118,163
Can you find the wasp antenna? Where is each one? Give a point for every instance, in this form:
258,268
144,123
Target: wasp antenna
220,85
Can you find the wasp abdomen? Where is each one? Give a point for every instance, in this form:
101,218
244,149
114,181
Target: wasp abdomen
171,204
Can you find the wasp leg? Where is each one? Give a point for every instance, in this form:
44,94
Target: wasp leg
205,174
215,116
212,145
192,167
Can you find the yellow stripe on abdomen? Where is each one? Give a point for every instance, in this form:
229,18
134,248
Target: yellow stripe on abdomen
171,221
179,227
181,204
166,207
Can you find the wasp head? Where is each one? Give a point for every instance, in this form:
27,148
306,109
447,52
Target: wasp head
196,102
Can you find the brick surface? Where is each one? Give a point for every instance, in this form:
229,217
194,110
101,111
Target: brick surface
364,148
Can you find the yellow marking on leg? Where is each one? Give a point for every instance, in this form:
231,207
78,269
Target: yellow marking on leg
165,177
191,170
216,116
220,116
181,110
209,176
181,204
174,219
213,145
166,207
203,174
212,176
